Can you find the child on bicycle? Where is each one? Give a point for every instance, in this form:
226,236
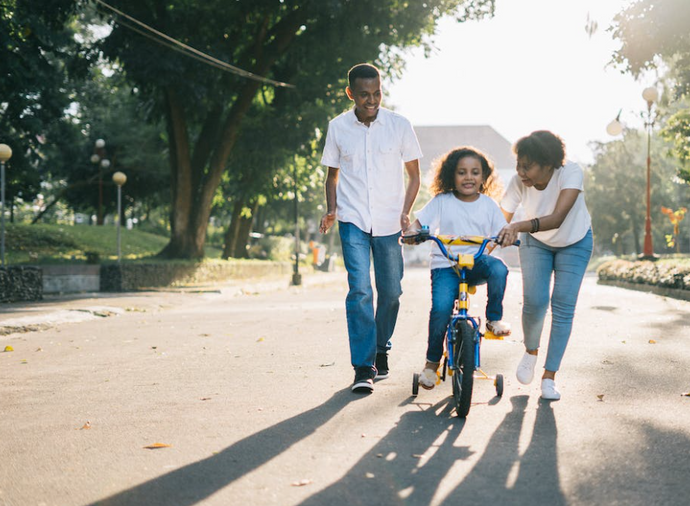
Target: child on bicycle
463,184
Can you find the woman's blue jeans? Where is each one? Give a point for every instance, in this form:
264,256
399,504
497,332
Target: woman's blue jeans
567,264
444,290
371,332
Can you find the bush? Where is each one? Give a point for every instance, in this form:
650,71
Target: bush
271,247
665,274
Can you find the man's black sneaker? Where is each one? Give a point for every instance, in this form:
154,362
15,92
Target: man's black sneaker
381,365
363,384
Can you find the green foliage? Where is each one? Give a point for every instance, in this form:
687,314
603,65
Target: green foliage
615,190
38,60
653,29
61,243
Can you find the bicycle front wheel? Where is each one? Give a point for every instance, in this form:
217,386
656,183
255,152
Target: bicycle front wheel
463,376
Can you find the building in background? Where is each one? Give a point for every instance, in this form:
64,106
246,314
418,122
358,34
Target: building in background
438,140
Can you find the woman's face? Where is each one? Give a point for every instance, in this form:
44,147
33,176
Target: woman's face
533,174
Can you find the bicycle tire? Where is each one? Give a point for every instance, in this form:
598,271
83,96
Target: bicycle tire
463,376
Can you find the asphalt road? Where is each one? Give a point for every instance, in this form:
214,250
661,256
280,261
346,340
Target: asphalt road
250,390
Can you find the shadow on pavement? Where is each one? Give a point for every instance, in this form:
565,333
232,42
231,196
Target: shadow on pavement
393,472
535,479
406,464
195,482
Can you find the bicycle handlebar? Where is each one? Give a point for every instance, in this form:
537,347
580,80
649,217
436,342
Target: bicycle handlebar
443,240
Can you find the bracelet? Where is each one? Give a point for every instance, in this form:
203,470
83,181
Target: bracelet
535,225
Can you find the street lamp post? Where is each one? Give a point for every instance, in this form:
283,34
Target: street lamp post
296,276
650,95
98,157
5,154
119,179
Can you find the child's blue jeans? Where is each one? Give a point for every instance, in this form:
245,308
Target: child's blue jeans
444,290
539,262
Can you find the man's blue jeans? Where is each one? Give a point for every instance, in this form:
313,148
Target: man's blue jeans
567,264
444,290
370,333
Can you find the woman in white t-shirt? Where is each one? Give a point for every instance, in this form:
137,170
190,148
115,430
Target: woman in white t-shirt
556,239
462,184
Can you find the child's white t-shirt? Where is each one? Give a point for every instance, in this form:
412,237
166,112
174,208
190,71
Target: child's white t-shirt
445,214
539,203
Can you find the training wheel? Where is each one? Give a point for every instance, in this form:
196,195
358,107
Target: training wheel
498,383
415,384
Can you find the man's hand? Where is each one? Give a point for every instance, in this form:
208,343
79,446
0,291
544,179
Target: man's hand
404,222
327,222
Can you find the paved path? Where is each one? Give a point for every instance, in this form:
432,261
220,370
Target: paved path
250,388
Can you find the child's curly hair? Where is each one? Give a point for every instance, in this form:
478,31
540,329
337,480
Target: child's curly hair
444,177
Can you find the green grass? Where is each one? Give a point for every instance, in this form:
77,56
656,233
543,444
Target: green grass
40,243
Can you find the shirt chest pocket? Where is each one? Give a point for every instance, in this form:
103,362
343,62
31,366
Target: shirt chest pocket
388,154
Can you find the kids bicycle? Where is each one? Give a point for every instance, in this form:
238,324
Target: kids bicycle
463,336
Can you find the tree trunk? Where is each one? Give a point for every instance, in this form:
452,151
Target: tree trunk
243,233
231,234
195,181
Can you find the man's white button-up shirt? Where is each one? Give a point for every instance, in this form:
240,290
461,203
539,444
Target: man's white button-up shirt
371,183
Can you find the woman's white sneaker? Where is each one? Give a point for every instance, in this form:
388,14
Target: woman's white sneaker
525,369
549,390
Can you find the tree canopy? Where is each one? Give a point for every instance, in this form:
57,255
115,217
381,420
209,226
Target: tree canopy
309,44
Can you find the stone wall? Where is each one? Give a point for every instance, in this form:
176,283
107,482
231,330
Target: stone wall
21,284
140,276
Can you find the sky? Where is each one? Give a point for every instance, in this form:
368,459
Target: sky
533,66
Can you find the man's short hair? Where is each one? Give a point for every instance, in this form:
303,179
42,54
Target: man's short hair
362,71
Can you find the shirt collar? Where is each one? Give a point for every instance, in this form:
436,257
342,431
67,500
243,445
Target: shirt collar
380,117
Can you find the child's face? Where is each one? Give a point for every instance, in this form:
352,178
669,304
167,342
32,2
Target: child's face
366,94
468,178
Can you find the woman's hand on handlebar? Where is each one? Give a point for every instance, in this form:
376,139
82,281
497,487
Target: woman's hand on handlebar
508,235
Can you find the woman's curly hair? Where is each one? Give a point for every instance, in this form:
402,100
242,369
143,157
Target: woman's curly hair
541,147
444,177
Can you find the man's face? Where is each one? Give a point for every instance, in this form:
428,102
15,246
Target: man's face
366,94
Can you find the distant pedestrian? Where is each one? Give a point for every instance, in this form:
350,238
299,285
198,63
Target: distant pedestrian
463,185
556,241
365,152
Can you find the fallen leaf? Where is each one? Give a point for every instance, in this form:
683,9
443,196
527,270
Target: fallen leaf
301,483
9,348
600,397
155,446
260,340
652,341
86,426
39,349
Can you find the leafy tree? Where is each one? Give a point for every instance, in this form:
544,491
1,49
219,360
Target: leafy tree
615,189
39,60
292,41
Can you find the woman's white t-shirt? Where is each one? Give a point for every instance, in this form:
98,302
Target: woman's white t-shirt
446,214
539,203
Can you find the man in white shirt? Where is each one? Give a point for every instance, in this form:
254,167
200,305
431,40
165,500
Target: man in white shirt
366,149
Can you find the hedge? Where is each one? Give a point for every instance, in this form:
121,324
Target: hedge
661,274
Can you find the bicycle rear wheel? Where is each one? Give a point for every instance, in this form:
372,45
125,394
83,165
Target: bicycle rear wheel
463,376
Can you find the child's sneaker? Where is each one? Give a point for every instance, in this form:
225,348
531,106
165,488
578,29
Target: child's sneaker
498,328
429,377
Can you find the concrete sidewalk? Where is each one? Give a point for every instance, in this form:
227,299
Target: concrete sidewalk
57,309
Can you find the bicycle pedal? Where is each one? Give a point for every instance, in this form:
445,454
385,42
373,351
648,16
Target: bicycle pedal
490,335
